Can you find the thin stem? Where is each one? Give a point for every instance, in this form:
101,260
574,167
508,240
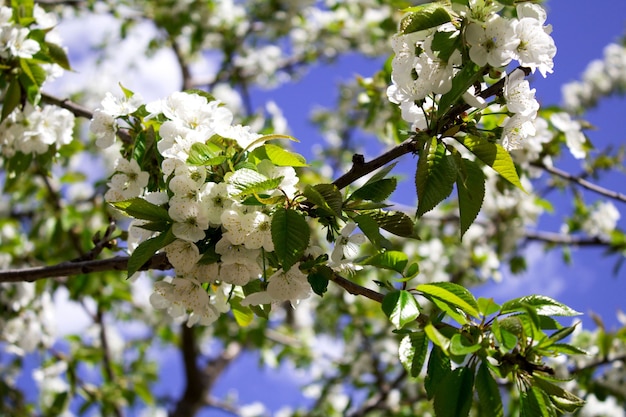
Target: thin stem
583,183
106,357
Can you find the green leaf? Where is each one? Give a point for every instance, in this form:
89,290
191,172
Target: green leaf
209,97
487,306
461,346
381,173
317,196
281,157
470,186
139,208
401,308
243,314
434,177
567,349
290,235
437,370
562,398
248,181
319,279
535,402
393,260
146,249
267,138
203,154
444,44
453,398
375,191
371,229
453,294
490,401
23,11
331,198
412,352
437,337
423,17
59,404
505,338
461,82
451,311
394,222
495,156
12,98
543,305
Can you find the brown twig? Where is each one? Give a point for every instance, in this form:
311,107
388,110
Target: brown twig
361,168
356,289
118,263
583,183
80,111
106,357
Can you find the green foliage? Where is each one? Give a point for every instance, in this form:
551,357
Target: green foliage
434,177
290,234
401,308
423,17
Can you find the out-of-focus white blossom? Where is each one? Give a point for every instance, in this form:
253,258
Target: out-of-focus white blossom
602,220
574,137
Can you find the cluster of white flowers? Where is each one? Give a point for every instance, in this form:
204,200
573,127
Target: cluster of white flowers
602,220
207,207
14,42
35,129
602,77
31,129
421,73
27,322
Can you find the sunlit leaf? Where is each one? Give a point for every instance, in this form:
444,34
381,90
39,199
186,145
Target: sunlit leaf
434,177
401,308
290,235
495,156
412,352
146,250
453,294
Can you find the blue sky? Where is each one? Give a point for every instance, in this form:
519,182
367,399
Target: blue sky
581,29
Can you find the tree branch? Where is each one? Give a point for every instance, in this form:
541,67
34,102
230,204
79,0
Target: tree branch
106,357
80,111
561,239
361,168
118,263
76,109
356,289
583,182
200,382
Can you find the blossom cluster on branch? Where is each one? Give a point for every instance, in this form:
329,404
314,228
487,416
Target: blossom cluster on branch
242,227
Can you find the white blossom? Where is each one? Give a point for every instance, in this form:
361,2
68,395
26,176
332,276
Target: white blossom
104,127
183,255
493,43
574,137
347,245
190,219
14,43
536,48
127,182
602,220
116,107
283,286
516,129
519,97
